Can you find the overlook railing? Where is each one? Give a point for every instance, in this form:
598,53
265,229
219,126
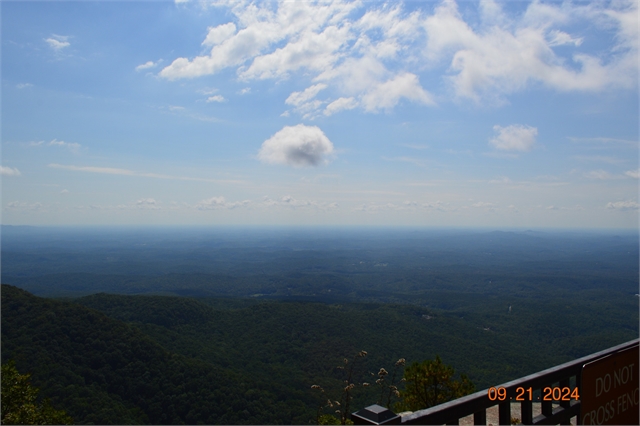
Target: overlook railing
567,375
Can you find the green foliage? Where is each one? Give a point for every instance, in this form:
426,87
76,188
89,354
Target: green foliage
328,419
20,404
104,371
431,383
115,359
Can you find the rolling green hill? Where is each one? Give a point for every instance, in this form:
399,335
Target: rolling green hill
111,359
104,371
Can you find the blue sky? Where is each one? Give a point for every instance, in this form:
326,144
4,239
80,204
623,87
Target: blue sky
496,114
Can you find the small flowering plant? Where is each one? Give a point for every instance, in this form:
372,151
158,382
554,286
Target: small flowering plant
388,390
345,399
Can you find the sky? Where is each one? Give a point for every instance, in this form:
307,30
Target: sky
424,113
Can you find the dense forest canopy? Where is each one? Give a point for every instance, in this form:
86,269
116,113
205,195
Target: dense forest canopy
233,327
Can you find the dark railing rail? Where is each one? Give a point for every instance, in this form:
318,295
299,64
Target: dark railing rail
476,404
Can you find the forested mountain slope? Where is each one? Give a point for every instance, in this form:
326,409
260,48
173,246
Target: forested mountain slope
110,358
101,370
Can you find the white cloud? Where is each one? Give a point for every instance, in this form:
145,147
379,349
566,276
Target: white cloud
208,91
8,171
373,53
147,203
126,172
23,85
304,103
386,95
408,205
64,191
559,38
340,104
90,169
502,180
147,65
605,140
216,98
217,35
297,146
412,160
215,203
310,51
73,146
245,91
623,205
600,175
599,159
57,42
290,202
482,204
22,205
514,138
317,39
633,173
299,98
503,59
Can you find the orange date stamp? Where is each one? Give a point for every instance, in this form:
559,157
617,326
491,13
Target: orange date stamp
549,393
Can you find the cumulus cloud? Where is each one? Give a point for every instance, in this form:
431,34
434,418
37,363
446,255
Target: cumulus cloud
633,173
297,146
317,39
503,59
482,204
8,171
147,65
290,202
623,205
299,98
216,203
387,95
373,53
22,205
217,35
304,102
340,104
147,203
514,138
216,98
23,85
57,42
